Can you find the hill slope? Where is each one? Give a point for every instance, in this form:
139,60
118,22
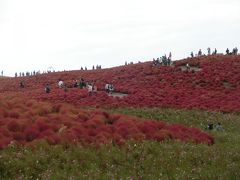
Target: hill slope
215,85
93,143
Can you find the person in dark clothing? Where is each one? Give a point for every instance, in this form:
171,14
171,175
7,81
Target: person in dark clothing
199,52
47,88
21,84
81,83
75,83
210,126
215,52
209,51
110,88
227,51
65,88
192,55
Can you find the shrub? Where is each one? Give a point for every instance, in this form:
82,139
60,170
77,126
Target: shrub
31,133
13,126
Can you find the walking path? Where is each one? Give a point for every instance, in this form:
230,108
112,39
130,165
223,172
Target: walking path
116,94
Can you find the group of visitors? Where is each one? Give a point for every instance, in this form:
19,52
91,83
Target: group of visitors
90,86
81,84
164,60
22,74
216,127
234,52
33,73
200,53
130,63
93,67
109,88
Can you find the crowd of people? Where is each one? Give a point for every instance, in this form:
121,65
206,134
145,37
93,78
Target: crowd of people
33,73
200,53
89,85
109,88
215,127
164,60
93,68
234,51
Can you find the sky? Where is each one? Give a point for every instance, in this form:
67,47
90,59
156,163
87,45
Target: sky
67,34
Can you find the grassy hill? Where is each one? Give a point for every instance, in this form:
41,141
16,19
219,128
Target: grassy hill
157,131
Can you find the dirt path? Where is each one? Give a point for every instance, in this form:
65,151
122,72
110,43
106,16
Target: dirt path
115,94
196,69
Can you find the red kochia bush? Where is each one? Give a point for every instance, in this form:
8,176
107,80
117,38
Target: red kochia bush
31,133
216,79
13,126
4,142
14,114
73,125
18,136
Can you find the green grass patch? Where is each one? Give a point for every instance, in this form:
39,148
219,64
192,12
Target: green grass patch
145,160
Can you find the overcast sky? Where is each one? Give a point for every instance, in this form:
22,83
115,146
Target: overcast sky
68,34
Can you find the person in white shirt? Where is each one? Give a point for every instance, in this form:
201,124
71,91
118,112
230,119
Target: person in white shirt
188,67
60,84
90,89
107,88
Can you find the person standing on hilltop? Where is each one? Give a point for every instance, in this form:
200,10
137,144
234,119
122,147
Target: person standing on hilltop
227,51
199,52
236,51
209,51
170,56
215,52
169,59
192,55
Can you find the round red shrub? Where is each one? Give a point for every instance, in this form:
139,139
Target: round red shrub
14,114
53,139
13,126
18,136
56,108
31,133
4,142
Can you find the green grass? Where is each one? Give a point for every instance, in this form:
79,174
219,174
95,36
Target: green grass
146,160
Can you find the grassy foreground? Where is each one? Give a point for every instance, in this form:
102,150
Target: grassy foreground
145,160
